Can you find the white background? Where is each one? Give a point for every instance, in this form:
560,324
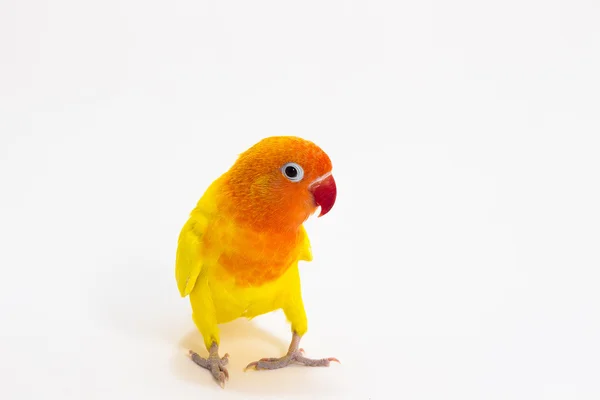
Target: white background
461,259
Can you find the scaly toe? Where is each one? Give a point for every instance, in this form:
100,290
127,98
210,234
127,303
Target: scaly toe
296,357
221,380
221,377
215,365
270,363
309,362
224,360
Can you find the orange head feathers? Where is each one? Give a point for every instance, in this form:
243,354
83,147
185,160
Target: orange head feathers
278,183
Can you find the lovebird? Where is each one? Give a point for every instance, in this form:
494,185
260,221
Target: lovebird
237,254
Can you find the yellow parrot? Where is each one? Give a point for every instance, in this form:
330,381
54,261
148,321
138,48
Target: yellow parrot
238,253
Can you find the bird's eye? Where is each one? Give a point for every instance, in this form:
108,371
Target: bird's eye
293,172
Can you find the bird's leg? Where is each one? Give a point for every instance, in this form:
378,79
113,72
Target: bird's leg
293,356
213,363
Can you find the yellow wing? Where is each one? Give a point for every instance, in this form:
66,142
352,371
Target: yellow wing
188,262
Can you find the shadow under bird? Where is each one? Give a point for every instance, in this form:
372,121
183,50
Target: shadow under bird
238,253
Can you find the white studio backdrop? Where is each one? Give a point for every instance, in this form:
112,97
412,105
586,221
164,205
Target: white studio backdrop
460,260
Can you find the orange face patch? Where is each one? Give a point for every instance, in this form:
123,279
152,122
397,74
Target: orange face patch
257,193
259,210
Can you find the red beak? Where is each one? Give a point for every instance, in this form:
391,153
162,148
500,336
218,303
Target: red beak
324,192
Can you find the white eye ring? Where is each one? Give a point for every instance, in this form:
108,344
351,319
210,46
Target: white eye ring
292,171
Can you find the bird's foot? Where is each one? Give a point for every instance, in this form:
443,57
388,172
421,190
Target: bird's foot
214,364
293,357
